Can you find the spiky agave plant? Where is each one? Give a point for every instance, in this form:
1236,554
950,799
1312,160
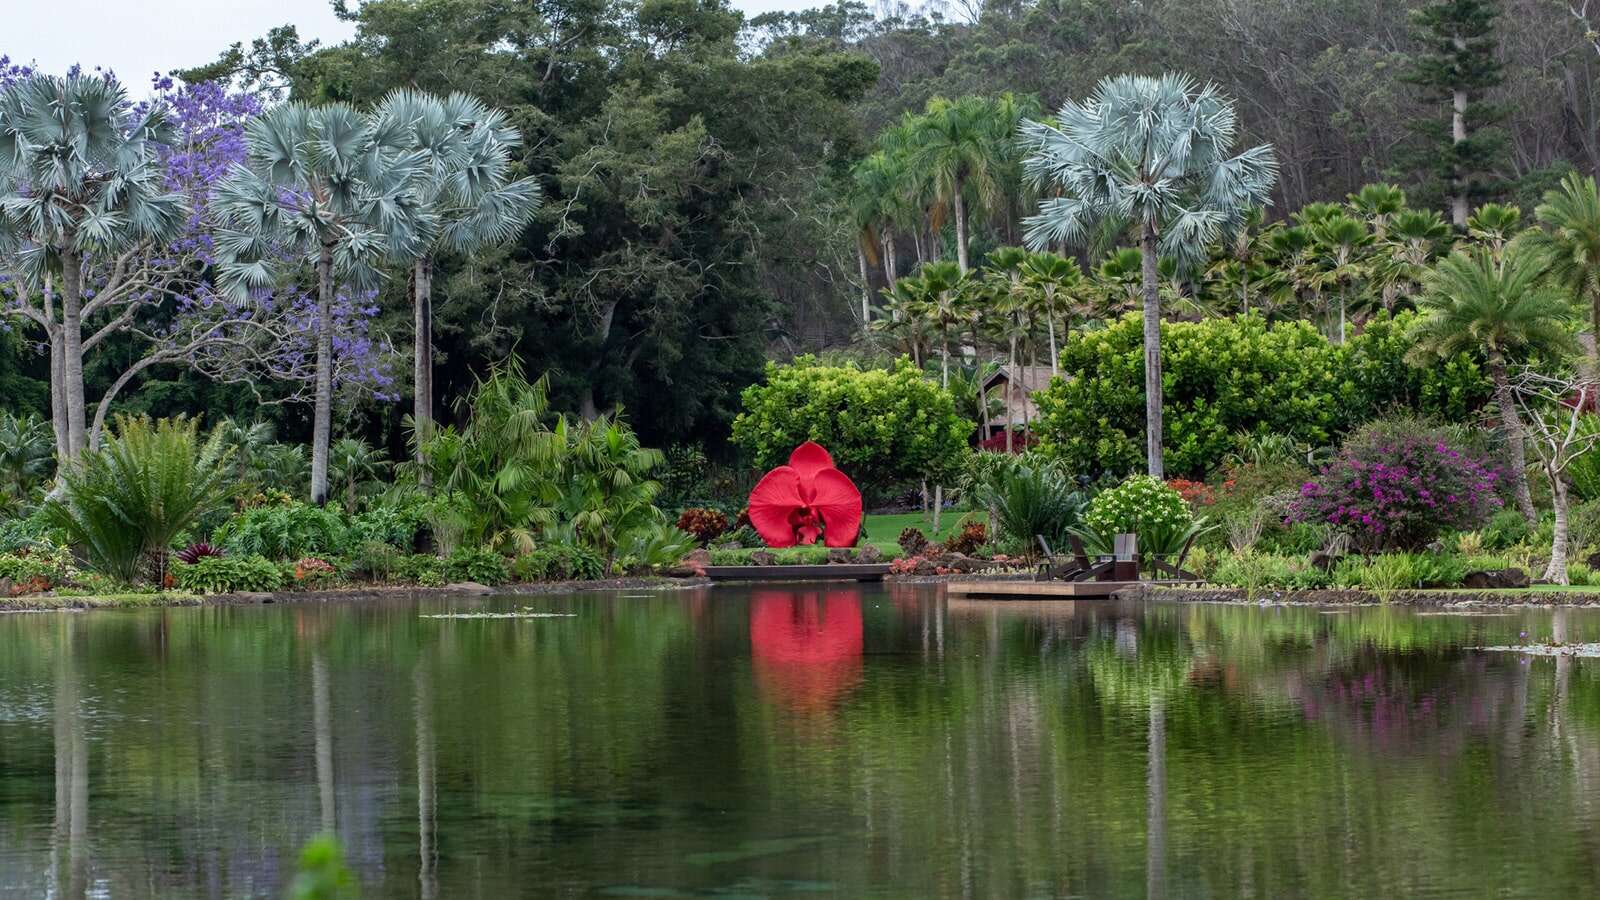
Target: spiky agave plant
124,503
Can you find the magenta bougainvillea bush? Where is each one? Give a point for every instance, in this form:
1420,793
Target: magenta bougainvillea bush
1399,488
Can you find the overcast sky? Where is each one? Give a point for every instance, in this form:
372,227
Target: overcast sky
138,37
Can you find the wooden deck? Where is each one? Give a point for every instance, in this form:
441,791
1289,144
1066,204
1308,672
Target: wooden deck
1018,589
836,572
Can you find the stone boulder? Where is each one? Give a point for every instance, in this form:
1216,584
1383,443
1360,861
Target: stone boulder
869,553
469,587
763,558
840,555
1496,579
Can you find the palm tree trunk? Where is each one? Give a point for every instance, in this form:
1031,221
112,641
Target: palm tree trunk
58,398
422,372
1511,428
961,227
866,289
1055,355
72,351
1011,389
1152,353
322,413
889,270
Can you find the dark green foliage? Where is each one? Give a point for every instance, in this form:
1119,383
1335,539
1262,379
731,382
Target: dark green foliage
398,525
559,562
1231,375
284,531
1457,41
421,568
883,428
1029,499
1506,528
227,574
481,565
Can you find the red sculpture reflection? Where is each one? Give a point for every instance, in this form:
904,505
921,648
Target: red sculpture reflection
806,649
808,498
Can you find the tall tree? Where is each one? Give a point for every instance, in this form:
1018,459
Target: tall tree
1151,155
468,191
1503,309
962,147
1458,65
331,187
82,203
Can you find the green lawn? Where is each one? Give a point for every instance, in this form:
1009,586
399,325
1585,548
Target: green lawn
884,531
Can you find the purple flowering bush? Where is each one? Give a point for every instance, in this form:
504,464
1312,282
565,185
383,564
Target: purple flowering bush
1398,486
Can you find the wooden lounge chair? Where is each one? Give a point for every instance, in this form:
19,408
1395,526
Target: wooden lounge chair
1097,568
1058,568
1124,558
1175,570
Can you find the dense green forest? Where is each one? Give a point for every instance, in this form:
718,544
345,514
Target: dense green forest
699,168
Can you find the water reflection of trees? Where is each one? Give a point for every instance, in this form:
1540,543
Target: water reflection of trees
1098,749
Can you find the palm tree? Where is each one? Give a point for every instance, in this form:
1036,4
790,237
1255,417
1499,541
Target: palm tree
1494,225
248,442
352,461
1503,309
1120,280
26,449
940,303
467,189
79,181
1411,243
904,322
1241,263
961,147
1377,205
1055,282
1569,242
333,186
1150,154
1341,241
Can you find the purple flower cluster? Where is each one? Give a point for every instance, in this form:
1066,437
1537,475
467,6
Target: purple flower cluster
1399,491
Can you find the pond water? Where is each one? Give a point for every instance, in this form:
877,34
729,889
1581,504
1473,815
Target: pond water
825,740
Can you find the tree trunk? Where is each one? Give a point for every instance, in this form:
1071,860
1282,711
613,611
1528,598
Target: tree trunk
422,364
961,227
322,411
1511,428
58,399
1011,389
1055,355
1458,133
890,273
1152,353
72,351
866,290
1556,571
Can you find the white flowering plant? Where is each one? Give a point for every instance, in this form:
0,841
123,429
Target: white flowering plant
1146,506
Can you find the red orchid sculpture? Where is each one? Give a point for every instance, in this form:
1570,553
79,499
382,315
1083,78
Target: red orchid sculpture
795,504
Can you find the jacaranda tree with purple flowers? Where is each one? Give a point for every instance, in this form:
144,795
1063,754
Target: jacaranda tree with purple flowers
1397,485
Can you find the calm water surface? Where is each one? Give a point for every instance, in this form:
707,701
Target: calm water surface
798,742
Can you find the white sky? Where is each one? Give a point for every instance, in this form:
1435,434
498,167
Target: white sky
135,38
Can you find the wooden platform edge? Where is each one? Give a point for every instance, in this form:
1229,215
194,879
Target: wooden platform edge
836,572
1016,589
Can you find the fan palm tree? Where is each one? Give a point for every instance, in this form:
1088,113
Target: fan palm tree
467,190
903,321
79,181
247,441
939,288
1377,205
336,188
1503,309
26,451
1341,242
1494,226
1568,239
1413,240
1150,154
1119,280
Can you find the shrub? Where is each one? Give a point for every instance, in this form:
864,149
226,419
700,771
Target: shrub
967,541
284,531
311,571
227,574
395,524
559,562
1225,376
1029,497
125,503
21,533
1505,529
478,564
38,568
1145,506
656,547
705,525
883,428
421,568
374,561
912,540
1396,486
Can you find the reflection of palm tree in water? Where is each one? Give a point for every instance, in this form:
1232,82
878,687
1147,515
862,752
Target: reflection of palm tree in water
72,770
806,648
427,786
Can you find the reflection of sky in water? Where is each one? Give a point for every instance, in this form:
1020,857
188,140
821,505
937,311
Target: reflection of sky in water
795,740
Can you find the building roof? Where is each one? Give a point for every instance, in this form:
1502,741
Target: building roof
1031,378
